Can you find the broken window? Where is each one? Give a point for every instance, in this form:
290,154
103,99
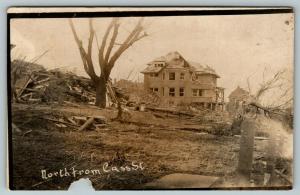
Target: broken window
172,92
181,91
172,76
182,76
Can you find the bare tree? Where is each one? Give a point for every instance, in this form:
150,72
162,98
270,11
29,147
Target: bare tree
275,83
106,57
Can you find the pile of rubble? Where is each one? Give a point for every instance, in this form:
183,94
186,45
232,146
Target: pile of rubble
136,94
35,84
31,83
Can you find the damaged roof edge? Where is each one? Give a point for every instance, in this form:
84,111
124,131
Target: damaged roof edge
194,66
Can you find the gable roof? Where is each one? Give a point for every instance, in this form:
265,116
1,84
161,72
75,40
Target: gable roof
239,92
175,60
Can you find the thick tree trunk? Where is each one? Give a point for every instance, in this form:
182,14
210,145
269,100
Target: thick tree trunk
101,92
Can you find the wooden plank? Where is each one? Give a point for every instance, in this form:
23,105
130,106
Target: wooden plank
87,124
24,86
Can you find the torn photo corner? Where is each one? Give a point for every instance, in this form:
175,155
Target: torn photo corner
141,98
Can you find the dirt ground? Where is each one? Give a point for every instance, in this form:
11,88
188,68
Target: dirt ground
156,143
160,144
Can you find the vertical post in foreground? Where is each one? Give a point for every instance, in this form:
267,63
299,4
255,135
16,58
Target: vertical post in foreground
246,147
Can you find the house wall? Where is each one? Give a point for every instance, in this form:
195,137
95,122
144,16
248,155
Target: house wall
206,82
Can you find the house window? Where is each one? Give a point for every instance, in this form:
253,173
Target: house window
181,91
172,92
182,76
200,92
163,76
197,92
172,76
156,74
163,91
154,90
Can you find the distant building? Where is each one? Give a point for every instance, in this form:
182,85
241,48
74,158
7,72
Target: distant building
238,98
176,80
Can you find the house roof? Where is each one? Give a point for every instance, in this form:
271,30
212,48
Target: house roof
239,92
202,69
152,69
175,60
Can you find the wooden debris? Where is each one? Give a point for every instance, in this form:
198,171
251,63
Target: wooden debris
71,120
60,125
27,132
15,128
283,176
58,121
87,124
100,125
42,81
100,119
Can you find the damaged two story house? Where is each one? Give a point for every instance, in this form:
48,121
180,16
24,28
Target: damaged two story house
176,81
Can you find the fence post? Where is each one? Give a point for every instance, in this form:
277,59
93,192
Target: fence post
246,147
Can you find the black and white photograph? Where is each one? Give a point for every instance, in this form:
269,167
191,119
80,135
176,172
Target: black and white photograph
161,98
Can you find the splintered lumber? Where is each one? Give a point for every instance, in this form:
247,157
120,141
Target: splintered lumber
58,121
87,124
34,90
283,176
26,95
42,81
24,86
71,120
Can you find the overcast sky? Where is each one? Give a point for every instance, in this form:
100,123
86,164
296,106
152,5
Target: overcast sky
235,46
